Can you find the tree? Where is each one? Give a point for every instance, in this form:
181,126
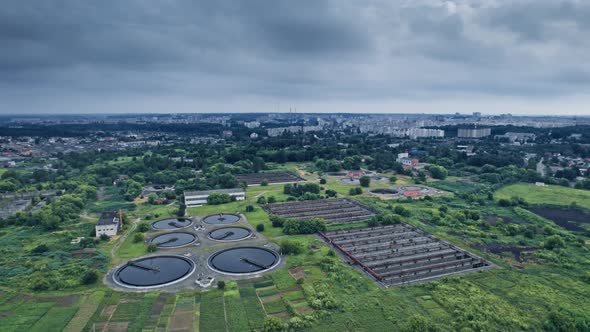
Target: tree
331,193
40,249
89,277
418,323
133,189
152,247
261,200
264,183
143,227
138,237
249,208
271,199
152,198
365,181
355,191
221,284
276,220
305,226
554,242
438,172
393,179
272,324
289,247
218,198
104,237
260,227
322,181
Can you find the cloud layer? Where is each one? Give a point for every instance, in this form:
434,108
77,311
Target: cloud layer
318,55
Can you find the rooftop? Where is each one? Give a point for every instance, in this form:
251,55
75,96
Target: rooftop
208,192
108,218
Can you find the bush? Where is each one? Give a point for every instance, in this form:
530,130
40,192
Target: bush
260,227
355,191
384,219
402,211
89,277
323,181
40,249
393,179
554,242
152,198
152,247
264,183
365,181
272,324
289,247
331,193
221,284
249,208
308,226
138,237
276,220
271,200
104,237
261,200
143,227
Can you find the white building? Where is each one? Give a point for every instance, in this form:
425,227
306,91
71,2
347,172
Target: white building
198,198
109,224
252,124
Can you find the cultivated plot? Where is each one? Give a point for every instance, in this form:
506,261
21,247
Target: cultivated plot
400,254
333,211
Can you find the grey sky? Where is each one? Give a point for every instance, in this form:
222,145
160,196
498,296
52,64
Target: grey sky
518,56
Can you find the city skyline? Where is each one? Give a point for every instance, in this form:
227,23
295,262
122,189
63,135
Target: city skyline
521,57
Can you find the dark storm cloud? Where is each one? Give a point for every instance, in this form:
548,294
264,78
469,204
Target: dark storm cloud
312,50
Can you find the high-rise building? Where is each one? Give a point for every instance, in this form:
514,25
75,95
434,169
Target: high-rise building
474,132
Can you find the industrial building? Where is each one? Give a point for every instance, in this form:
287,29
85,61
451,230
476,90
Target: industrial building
198,198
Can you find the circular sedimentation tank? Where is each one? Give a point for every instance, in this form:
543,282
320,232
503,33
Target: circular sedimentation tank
154,271
243,260
173,239
221,219
379,179
384,191
230,234
171,223
348,180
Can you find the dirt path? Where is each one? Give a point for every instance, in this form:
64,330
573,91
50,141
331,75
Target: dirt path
122,238
261,193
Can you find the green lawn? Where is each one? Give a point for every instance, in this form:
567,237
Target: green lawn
554,195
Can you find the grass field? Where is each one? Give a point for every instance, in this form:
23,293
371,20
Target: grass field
554,195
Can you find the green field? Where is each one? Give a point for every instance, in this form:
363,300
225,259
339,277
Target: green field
554,195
